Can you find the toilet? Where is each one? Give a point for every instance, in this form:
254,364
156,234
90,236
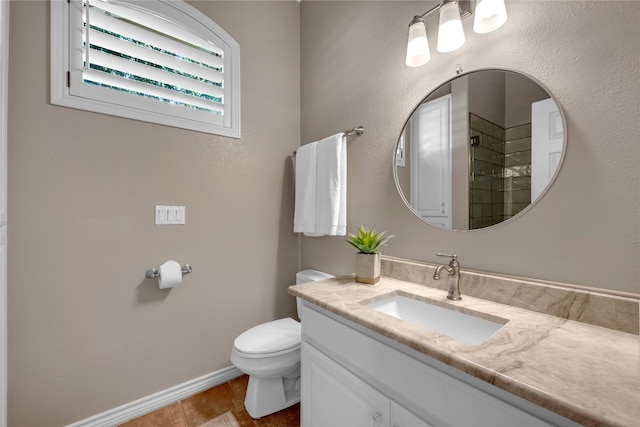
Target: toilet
270,354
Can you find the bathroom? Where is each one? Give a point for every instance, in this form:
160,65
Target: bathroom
88,333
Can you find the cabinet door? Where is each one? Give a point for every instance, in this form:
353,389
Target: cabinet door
332,396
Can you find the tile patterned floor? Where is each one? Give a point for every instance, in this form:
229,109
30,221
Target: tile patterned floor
203,407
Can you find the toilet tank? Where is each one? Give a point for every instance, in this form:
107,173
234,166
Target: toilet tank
306,276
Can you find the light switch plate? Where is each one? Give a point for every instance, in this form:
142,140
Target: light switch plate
170,215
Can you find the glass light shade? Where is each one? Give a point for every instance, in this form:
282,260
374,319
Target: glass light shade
450,33
418,44
489,16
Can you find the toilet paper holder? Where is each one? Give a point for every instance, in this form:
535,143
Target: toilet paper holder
153,273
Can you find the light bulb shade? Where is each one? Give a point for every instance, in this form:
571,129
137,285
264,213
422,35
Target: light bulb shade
489,16
450,33
417,45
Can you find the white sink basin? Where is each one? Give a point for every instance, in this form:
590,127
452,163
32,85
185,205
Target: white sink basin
461,326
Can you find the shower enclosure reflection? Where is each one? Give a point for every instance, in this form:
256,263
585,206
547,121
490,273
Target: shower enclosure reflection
479,150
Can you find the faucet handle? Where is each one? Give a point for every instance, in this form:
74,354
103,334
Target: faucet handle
453,257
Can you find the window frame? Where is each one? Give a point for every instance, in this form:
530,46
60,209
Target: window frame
107,102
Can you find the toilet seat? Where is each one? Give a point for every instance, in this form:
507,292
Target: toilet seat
269,339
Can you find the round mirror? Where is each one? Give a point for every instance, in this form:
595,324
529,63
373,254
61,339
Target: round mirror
480,149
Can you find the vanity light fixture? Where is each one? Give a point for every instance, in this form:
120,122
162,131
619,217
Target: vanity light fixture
489,16
450,33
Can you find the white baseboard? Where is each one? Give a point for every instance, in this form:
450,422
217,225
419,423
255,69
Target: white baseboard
158,400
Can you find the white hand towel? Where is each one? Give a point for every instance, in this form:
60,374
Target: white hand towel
331,206
304,218
321,188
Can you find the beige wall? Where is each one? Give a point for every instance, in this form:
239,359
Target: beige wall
87,332
585,230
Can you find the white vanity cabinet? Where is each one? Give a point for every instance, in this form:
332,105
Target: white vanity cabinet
337,397
354,377
345,399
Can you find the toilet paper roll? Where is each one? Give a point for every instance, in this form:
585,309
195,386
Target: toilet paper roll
170,275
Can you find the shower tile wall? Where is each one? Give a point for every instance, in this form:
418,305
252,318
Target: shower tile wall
500,172
487,164
517,169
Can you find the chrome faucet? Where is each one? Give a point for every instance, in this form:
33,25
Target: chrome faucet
454,276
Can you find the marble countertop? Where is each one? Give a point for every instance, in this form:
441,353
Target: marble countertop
586,373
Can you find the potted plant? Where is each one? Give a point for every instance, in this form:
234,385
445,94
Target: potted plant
368,242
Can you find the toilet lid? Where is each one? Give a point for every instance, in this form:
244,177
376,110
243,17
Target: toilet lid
270,337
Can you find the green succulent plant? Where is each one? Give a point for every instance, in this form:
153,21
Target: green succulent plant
368,241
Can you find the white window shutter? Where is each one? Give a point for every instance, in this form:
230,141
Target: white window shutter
159,61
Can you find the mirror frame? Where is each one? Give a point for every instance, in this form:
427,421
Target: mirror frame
532,203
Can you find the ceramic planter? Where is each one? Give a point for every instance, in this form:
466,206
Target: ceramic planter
367,268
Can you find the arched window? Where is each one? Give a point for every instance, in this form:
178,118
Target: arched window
160,61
